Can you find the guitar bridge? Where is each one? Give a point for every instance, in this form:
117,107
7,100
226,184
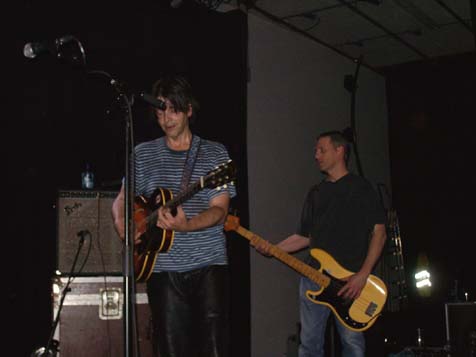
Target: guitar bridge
371,308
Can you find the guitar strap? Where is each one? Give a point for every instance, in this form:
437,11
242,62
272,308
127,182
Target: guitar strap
190,162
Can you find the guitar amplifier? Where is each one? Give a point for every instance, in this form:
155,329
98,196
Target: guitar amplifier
91,319
87,213
461,328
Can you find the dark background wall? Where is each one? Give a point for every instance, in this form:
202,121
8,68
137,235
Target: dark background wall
66,117
431,136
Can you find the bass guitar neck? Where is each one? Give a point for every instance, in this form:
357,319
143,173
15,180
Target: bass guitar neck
286,258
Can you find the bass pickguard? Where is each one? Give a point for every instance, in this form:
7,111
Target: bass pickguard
340,305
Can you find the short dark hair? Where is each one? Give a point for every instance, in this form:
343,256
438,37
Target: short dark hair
177,89
338,139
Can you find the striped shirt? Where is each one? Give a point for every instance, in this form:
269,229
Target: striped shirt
159,166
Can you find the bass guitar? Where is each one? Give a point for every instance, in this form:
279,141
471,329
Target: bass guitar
154,240
356,314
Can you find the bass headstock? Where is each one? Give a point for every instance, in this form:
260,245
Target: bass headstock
231,223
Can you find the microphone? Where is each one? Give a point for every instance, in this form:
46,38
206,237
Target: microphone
33,49
121,88
156,103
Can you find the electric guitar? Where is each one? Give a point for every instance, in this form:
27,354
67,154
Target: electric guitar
153,239
356,314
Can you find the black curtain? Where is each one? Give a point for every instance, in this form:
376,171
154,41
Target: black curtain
431,134
66,118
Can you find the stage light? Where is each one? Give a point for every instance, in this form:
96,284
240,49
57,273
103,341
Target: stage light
423,279
422,283
422,275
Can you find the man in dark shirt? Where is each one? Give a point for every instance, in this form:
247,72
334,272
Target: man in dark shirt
343,216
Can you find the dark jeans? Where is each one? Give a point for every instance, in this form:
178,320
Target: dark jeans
190,312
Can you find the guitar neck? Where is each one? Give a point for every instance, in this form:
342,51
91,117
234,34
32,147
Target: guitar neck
184,196
288,259
221,175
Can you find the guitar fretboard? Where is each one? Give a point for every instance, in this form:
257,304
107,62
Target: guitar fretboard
184,196
288,259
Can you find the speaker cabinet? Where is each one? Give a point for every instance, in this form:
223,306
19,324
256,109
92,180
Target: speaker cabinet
88,212
461,328
91,320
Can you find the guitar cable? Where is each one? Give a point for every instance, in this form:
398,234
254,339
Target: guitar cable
52,345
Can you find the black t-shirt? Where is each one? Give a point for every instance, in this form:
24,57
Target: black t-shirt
339,217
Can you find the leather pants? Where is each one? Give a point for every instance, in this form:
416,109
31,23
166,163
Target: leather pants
190,312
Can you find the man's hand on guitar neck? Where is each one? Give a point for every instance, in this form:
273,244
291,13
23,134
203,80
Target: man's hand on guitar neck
291,244
262,246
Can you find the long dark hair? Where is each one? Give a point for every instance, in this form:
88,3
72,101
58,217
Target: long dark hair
177,89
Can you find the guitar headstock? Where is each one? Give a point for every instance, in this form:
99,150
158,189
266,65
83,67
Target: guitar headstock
220,176
232,223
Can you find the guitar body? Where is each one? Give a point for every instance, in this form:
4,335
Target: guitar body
153,239
357,315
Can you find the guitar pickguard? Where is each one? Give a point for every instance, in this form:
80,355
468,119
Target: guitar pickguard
340,306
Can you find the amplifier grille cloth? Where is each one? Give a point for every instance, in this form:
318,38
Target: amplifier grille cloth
87,211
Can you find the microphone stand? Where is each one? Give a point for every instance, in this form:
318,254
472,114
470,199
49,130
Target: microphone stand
126,101
351,85
128,272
